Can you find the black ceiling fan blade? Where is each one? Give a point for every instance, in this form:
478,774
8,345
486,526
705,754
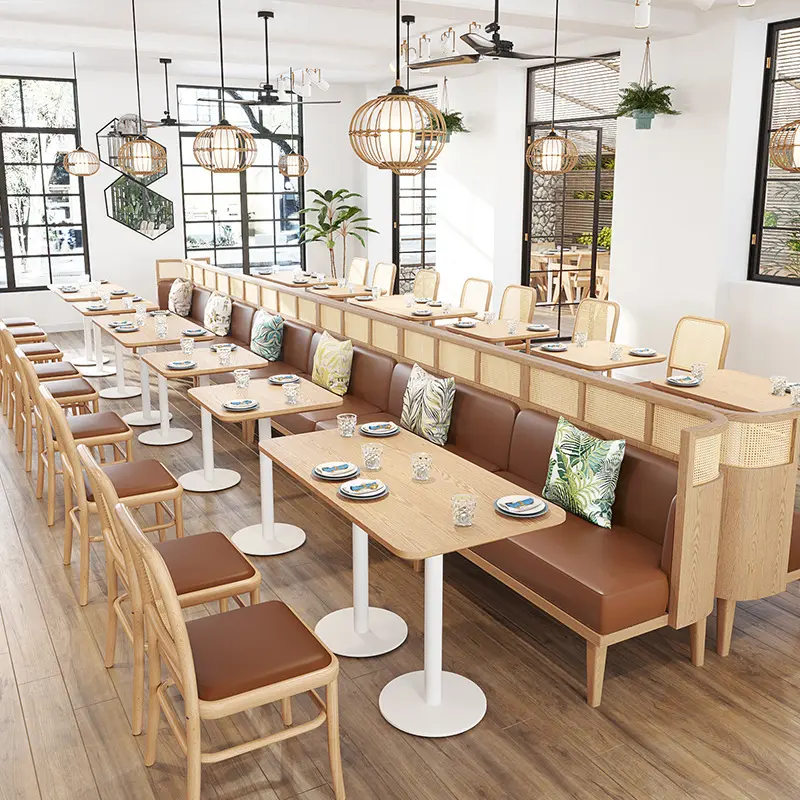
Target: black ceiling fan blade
480,44
448,61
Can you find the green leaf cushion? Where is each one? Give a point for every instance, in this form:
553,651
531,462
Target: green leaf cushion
332,364
583,472
266,335
218,314
180,297
428,405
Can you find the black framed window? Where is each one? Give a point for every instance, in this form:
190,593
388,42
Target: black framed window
775,236
414,215
42,207
249,220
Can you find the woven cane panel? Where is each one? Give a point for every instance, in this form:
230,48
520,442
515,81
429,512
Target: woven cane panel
237,288
385,337
251,294
667,426
706,459
196,274
616,411
457,360
356,327
330,319
500,374
418,347
556,392
223,284
287,305
697,340
209,279
595,318
517,303
307,310
269,299
753,445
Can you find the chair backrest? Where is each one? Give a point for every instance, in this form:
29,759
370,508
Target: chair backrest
29,380
699,339
426,284
518,303
357,274
383,276
598,319
476,294
70,460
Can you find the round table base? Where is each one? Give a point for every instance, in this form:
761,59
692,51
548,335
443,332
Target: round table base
222,479
137,419
387,631
115,393
94,372
402,703
286,538
174,436
82,361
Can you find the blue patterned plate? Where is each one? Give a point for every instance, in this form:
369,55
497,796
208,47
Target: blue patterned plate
422,312
119,292
642,352
435,304
380,429
185,363
336,471
520,505
365,298
423,299
682,380
280,380
363,489
127,328
240,405
97,307
538,326
215,347
320,286
553,348
465,323
194,332
533,514
68,289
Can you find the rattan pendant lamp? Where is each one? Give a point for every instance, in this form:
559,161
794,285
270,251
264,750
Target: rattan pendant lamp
79,162
552,154
140,156
224,147
398,131
784,147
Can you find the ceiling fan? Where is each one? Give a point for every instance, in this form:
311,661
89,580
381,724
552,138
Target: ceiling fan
267,93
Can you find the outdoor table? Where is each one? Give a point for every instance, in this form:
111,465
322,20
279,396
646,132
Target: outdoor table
395,305
414,521
497,333
267,538
596,356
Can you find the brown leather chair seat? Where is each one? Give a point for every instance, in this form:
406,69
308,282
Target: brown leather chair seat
26,331
305,423
89,426
70,387
133,478
55,369
203,561
607,578
39,349
16,322
251,647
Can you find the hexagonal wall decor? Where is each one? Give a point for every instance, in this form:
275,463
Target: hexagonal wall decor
139,208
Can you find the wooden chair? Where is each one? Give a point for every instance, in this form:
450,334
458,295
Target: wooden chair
598,319
476,294
384,276
17,322
28,334
137,483
204,568
357,274
518,303
225,664
581,282
426,284
699,339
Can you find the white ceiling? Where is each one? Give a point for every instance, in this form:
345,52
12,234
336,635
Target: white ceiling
351,40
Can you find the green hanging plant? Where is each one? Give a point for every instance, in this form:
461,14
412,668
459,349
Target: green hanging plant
649,98
454,122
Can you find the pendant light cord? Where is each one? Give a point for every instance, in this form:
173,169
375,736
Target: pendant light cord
221,59
136,62
266,49
77,103
555,62
408,56
397,42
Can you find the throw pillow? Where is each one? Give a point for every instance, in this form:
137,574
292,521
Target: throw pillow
332,363
583,472
266,336
180,297
428,405
218,314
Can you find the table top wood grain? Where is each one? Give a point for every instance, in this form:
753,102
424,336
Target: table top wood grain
596,356
83,295
286,277
395,305
497,332
207,362
414,521
114,308
146,336
334,292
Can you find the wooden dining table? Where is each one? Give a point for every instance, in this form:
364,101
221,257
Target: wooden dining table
595,356
335,292
395,305
497,333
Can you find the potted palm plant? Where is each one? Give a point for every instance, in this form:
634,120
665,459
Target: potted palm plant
645,99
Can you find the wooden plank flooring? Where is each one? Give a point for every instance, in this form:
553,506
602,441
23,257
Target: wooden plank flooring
666,730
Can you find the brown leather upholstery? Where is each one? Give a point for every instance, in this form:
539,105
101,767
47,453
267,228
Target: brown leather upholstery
481,428
305,423
16,322
296,345
200,297
607,578
251,647
241,323
164,285
397,389
39,349
26,331
312,350
378,416
371,376
203,561
55,369
70,387
133,478
89,426
794,545
531,445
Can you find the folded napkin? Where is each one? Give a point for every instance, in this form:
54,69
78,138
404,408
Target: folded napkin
361,487
528,501
334,468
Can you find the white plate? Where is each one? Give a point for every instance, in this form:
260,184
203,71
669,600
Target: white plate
137,299
69,289
435,304
240,405
532,515
538,326
347,471
465,324
320,286
379,428
126,328
642,352
682,380
194,332
422,312
282,380
97,307
505,504
553,348
215,347
364,299
378,490
182,364
119,292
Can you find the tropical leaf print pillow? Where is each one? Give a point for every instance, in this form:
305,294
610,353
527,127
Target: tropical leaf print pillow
266,336
218,314
583,472
332,364
428,405
180,297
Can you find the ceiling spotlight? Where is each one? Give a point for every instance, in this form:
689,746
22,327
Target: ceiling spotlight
299,85
641,14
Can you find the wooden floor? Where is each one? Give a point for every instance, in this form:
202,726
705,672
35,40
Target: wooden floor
665,730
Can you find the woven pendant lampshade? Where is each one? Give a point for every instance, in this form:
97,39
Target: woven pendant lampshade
141,156
293,165
552,155
81,163
784,147
225,148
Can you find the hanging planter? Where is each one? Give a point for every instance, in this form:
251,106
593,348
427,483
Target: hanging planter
453,120
644,100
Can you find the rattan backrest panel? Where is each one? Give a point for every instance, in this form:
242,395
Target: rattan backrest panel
518,303
697,339
357,274
500,375
706,459
385,336
419,347
331,319
306,311
667,426
476,294
457,360
754,445
557,392
616,412
426,284
598,319
383,276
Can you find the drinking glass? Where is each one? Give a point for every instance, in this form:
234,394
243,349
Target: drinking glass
225,355
778,384
421,464
615,352
464,507
341,282
105,297
242,378
513,324
372,456
447,308
376,292
581,337
187,346
489,317
347,424
291,393
409,299
140,317
698,370
795,390
161,328
127,303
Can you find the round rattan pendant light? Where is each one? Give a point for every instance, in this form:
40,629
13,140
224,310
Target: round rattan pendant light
224,147
552,154
140,156
398,131
79,162
293,165
784,147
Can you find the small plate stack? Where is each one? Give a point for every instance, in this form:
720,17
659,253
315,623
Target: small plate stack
465,323
215,347
642,352
181,364
520,506
281,380
336,471
194,332
555,347
682,380
240,405
380,429
119,292
364,489
538,326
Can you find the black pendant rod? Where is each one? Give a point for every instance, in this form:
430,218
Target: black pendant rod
266,45
166,61
397,41
555,63
77,103
136,61
408,19
221,58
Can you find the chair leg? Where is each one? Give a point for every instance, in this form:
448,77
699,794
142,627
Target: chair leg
223,604
193,762
726,611
137,623
83,518
178,509
153,705
67,521
286,711
129,450
697,642
595,672
41,465
334,747
112,623
160,521
255,596
51,488
29,443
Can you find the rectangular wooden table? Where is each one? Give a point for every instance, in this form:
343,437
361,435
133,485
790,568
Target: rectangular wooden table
596,356
267,538
286,277
396,306
497,333
414,521
731,390
334,292
83,295
207,364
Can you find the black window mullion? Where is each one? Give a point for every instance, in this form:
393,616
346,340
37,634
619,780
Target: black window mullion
5,224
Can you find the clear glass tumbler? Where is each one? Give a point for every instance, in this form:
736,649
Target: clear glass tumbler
242,378
291,393
372,456
778,384
187,345
615,352
581,338
464,507
347,424
421,464
698,370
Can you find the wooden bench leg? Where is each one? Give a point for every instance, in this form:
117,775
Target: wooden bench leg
726,610
697,642
595,672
